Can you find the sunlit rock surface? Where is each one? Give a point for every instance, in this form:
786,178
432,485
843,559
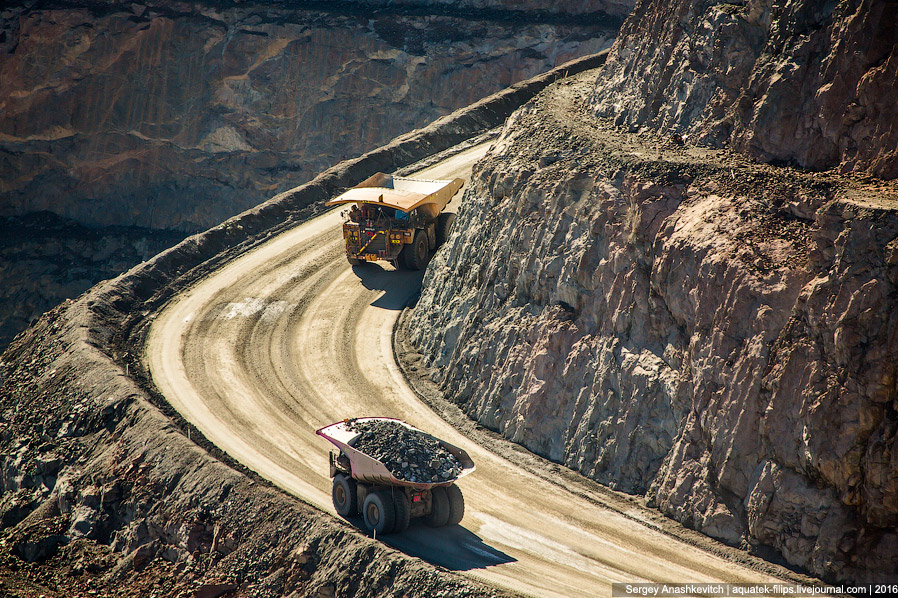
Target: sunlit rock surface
803,82
179,115
674,320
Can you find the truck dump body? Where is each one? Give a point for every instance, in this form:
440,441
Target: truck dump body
388,499
372,471
403,194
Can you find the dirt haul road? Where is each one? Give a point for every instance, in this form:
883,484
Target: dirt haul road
288,338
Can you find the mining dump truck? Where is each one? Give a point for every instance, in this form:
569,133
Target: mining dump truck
397,219
390,472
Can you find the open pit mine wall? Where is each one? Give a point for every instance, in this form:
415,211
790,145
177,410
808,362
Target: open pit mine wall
805,82
656,338
731,352
182,114
88,452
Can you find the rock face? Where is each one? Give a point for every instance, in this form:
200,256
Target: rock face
678,321
45,259
179,115
804,82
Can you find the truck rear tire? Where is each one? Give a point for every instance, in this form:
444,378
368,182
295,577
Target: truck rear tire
445,222
416,253
353,261
439,514
345,495
379,513
403,511
456,505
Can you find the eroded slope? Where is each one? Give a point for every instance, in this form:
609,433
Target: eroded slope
182,114
803,82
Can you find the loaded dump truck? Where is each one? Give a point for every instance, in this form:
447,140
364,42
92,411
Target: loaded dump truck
397,219
390,472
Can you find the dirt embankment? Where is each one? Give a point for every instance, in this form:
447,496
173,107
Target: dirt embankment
102,488
681,322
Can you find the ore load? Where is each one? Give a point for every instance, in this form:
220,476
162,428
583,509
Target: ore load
409,454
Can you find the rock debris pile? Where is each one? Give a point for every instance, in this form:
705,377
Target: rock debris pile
409,454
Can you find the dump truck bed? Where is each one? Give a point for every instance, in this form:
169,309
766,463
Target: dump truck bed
369,470
427,196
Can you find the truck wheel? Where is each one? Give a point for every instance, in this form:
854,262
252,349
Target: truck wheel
345,495
439,514
416,253
431,236
353,261
379,513
403,511
445,222
456,505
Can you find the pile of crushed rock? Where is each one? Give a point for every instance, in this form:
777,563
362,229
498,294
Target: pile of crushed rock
410,455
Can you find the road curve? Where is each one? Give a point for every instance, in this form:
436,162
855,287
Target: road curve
288,338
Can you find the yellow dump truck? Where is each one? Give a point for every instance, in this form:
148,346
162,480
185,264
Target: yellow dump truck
397,219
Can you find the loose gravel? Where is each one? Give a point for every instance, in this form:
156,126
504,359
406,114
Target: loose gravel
410,455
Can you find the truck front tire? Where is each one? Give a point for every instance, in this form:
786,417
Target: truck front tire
345,495
456,505
403,511
445,222
379,513
416,253
439,513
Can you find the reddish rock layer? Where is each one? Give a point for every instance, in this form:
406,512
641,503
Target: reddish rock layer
804,82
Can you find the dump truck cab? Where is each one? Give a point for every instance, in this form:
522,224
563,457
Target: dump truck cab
397,219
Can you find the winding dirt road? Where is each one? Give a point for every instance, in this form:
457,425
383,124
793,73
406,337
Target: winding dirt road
288,338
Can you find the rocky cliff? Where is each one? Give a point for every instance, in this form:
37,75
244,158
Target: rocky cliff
681,321
802,82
